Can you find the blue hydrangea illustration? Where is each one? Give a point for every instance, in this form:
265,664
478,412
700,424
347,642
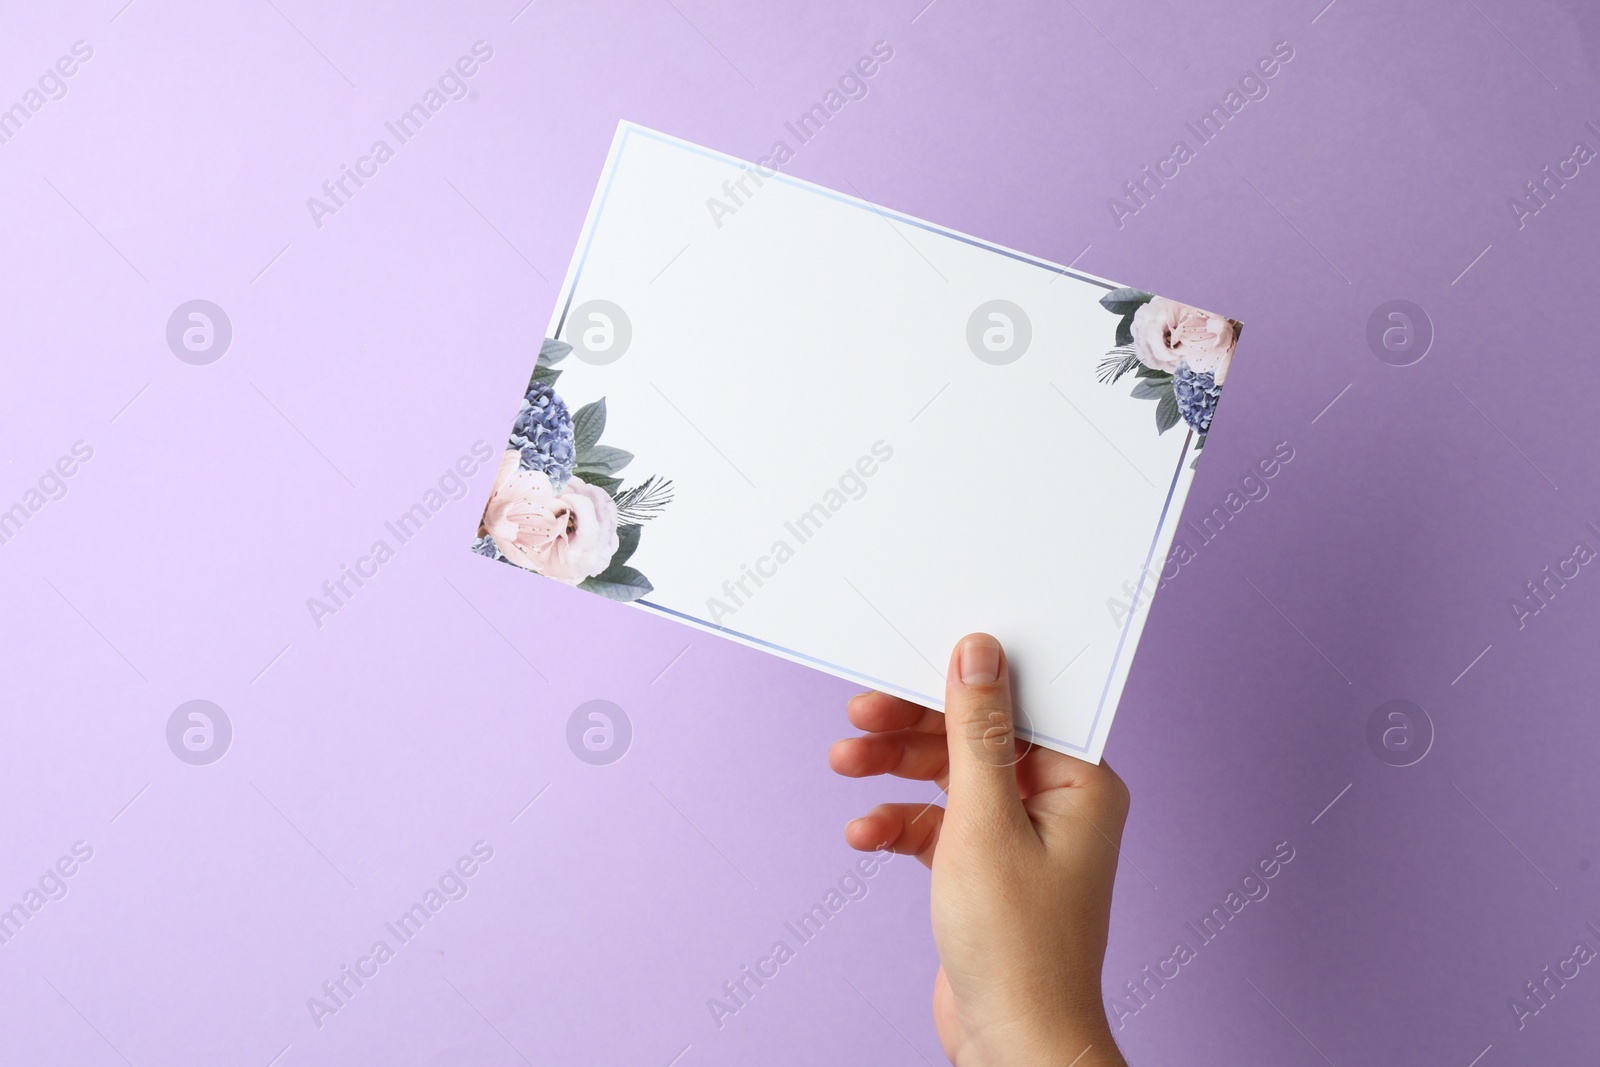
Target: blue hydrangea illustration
543,434
1197,397
485,546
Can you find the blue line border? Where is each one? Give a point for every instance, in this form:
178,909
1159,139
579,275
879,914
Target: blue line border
1139,589
630,130
877,683
628,133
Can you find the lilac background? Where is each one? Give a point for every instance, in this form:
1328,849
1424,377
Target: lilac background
370,353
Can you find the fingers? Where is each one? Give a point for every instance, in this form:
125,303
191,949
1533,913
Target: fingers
1091,795
1104,782
906,829
982,737
903,753
1043,769
877,712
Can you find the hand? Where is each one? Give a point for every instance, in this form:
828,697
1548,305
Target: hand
1023,861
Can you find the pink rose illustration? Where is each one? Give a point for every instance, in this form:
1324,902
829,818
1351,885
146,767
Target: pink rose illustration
586,539
568,537
1166,333
520,515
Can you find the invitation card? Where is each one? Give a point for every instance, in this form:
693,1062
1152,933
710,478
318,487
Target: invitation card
781,414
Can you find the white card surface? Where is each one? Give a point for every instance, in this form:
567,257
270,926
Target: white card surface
869,457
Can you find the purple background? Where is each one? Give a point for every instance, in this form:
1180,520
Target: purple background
368,354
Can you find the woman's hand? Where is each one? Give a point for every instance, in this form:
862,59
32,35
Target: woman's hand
1023,860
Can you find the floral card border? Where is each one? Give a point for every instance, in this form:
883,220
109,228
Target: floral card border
558,506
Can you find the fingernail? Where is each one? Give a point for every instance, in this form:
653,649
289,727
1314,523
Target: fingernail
852,824
979,661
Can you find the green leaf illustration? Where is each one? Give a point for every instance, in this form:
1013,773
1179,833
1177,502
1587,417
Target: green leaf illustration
552,352
1166,413
601,459
1125,330
1151,372
547,375
1125,301
588,424
1152,389
618,583
600,481
627,545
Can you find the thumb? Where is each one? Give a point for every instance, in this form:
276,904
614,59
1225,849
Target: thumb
981,732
